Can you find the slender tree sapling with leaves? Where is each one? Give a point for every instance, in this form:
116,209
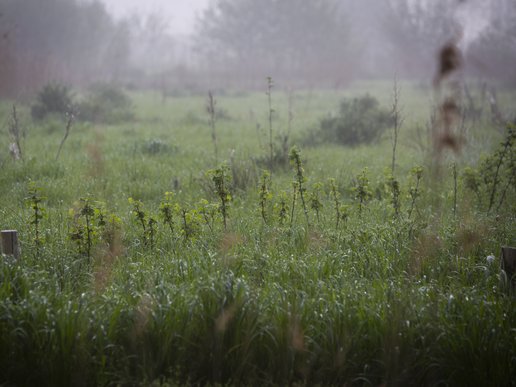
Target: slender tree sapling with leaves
221,179
88,212
397,121
414,191
265,194
189,223
300,179
502,156
70,117
34,200
15,133
282,208
210,107
362,190
148,224
495,176
394,188
270,85
208,212
89,220
455,178
166,209
334,193
295,189
315,200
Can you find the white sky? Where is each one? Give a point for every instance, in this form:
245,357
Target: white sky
181,14
472,17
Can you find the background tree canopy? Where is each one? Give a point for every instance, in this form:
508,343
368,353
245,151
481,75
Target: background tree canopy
495,50
61,39
290,37
237,43
339,40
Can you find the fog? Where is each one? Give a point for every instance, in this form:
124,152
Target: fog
180,14
235,44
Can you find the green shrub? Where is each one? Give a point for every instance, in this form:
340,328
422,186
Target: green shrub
359,121
492,181
53,98
106,103
157,146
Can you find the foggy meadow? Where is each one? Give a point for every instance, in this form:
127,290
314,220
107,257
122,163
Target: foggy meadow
244,192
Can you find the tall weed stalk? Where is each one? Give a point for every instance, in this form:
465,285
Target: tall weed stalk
300,179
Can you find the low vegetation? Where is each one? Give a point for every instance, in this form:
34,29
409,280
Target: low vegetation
52,99
102,103
143,262
105,103
359,121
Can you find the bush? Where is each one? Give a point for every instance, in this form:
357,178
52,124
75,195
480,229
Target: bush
156,146
53,98
360,121
106,103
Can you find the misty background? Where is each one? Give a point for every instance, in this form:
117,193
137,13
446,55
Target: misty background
195,45
180,14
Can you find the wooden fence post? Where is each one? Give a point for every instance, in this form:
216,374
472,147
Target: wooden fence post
10,244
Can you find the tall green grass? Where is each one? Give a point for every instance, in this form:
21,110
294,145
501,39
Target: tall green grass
379,300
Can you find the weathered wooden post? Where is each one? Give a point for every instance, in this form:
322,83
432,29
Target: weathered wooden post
10,244
508,263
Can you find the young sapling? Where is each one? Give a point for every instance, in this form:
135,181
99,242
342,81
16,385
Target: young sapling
221,179
295,159
35,200
270,85
315,200
210,108
414,191
265,194
362,190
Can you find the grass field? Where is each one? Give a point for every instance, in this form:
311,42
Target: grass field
120,283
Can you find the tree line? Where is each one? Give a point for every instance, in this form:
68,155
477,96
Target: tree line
316,41
343,39
44,40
